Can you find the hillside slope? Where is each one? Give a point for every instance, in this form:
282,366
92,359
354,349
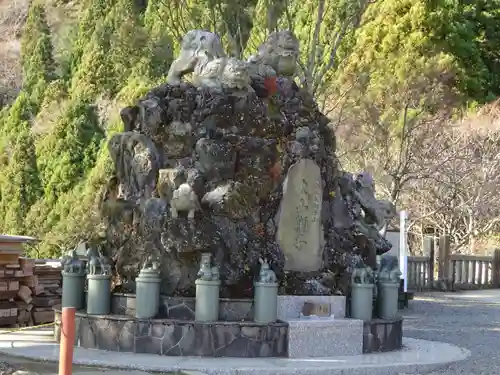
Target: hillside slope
12,17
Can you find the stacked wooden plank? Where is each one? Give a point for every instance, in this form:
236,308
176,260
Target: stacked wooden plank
11,273
24,299
46,290
29,289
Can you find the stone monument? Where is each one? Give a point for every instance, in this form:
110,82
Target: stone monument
203,167
300,233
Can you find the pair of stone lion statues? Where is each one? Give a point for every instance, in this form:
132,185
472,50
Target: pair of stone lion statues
202,55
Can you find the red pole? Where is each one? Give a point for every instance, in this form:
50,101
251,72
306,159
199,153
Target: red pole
67,341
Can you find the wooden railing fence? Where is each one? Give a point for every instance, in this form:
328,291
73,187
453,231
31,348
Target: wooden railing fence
418,273
453,271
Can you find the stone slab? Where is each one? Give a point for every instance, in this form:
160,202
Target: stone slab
290,307
419,356
324,338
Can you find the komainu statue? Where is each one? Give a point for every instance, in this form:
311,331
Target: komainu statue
205,169
203,56
278,55
198,47
222,73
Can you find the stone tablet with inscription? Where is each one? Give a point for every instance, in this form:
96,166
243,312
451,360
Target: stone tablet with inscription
316,309
300,232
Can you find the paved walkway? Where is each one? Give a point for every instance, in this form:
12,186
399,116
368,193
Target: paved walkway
49,368
470,320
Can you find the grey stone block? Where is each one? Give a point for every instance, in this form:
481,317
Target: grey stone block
324,338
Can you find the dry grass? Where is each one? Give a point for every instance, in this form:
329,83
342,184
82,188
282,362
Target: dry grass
12,17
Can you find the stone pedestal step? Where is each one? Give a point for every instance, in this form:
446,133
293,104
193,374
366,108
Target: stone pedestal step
309,338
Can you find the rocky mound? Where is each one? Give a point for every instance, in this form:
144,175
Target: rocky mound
242,175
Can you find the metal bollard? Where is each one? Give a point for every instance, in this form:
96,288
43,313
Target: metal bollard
362,288
73,286
207,291
147,292
99,285
388,287
73,290
99,294
266,295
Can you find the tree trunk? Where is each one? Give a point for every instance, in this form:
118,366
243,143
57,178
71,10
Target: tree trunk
472,244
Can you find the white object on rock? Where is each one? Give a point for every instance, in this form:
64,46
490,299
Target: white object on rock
184,199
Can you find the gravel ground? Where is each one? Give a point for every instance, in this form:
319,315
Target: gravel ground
470,320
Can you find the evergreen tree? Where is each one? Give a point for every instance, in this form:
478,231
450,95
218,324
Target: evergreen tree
470,31
17,114
129,40
22,185
394,51
94,13
36,25
116,46
37,51
69,152
95,74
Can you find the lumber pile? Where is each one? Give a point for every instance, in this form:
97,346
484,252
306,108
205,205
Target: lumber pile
46,290
29,289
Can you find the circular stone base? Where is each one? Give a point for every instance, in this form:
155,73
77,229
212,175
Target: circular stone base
171,337
417,357
382,335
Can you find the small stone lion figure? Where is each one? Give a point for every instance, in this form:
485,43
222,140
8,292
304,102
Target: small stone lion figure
206,270
184,199
235,75
266,274
278,55
197,47
221,73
